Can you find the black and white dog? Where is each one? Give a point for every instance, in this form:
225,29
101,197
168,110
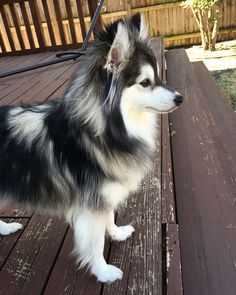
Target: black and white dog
80,156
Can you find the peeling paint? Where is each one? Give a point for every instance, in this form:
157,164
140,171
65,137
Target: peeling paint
167,261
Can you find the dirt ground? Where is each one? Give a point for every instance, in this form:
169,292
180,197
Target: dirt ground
222,64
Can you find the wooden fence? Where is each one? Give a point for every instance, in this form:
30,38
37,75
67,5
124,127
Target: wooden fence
34,25
168,18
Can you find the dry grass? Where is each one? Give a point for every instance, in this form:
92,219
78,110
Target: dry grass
227,82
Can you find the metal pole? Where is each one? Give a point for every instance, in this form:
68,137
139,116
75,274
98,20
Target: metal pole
73,55
94,20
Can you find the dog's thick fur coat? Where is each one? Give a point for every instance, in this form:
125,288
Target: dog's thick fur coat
80,156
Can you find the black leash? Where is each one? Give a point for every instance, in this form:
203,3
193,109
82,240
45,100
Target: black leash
72,55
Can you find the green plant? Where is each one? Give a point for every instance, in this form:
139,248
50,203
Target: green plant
207,13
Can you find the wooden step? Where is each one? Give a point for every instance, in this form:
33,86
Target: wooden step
204,162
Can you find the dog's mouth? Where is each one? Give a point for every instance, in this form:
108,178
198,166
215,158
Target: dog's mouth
150,109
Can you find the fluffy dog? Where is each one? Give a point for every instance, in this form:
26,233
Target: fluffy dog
81,155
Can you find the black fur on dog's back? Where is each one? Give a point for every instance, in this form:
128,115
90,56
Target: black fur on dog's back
56,165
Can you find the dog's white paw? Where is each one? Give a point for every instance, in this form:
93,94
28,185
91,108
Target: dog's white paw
122,233
9,228
108,273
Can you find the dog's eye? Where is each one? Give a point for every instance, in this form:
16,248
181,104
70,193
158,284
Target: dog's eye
145,83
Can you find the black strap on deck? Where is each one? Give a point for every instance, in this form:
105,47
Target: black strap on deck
71,55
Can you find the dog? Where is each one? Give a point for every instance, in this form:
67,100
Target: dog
81,155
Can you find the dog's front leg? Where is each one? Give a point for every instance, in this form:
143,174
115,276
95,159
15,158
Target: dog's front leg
118,233
89,230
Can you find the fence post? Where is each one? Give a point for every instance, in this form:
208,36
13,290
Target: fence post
37,23
7,28
128,7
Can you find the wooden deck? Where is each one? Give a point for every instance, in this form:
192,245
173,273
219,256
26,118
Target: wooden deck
37,260
204,162
201,181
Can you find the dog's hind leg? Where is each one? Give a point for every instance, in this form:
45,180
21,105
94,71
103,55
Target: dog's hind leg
118,233
89,230
8,228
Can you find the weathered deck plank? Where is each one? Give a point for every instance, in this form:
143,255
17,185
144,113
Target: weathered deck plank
64,274
35,88
174,284
9,211
171,277
10,93
203,147
168,198
66,278
8,242
29,264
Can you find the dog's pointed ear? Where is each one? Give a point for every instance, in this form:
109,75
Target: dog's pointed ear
138,21
119,48
143,33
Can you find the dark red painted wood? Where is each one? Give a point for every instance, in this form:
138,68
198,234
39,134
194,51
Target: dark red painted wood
71,22
81,18
27,25
59,21
2,45
29,264
12,1
36,50
92,5
173,264
203,147
7,243
6,25
17,26
34,9
49,23
37,22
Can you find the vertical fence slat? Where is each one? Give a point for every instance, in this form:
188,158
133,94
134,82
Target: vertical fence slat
17,26
71,22
7,28
59,21
128,7
49,23
2,44
27,24
81,18
37,22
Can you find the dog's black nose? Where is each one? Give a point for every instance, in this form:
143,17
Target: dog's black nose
178,99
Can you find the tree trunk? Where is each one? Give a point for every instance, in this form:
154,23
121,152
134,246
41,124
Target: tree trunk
208,25
203,29
215,28
207,18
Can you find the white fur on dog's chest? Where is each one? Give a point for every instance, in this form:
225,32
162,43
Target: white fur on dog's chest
115,193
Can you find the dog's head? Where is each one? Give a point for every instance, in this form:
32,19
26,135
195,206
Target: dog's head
133,67
117,81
